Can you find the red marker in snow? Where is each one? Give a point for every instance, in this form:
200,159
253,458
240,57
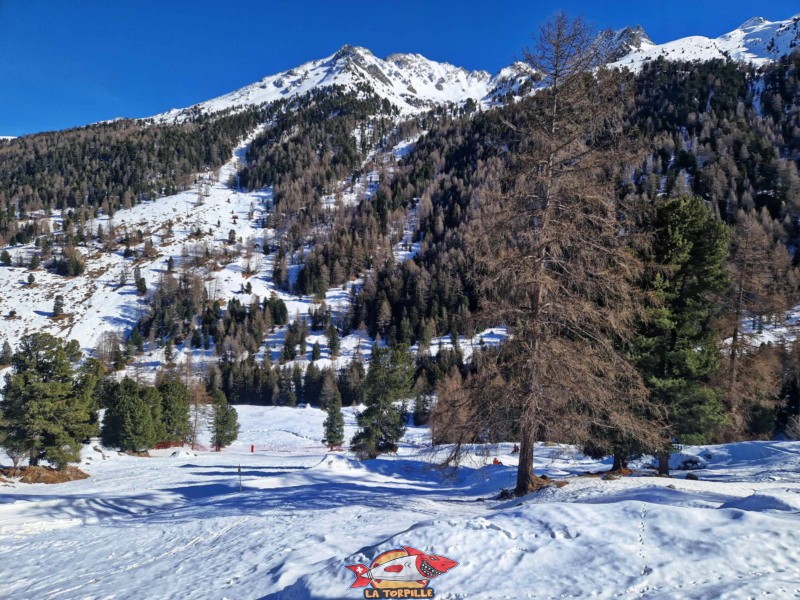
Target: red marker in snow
252,448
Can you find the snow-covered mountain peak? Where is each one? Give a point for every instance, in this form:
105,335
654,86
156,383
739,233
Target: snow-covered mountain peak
349,51
410,82
620,42
757,41
413,83
348,55
753,22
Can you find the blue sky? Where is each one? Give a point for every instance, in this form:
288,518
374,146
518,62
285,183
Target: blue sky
70,62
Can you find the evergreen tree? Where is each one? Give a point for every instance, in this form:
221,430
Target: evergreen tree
133,419
58,305
136,340
169,351
334,422
48,407
333,340
137,432
5,258
676,348
422,409
7,354
389,379
286,393
316,352
151,398
297,381
351,383
35,262
312,384
329,391
225,422
175,409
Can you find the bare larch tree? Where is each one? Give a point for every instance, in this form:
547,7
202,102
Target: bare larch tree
554,260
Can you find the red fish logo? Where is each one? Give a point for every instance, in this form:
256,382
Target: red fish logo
403,568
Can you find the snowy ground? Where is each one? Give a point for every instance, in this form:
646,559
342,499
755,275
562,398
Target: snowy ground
169,527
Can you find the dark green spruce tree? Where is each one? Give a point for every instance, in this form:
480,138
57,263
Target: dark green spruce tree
7,354
58,306
331,400
225,422
132,421
390,379
175,409
676,348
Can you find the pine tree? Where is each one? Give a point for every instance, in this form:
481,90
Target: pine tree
422,409
297,381
136,340
133,418
333,340
58,305
329,391
169,351
175,409
316,352
138,430
5,258
389,379
225,422
48,407
677,352
351,382
334,422
312,385
7,354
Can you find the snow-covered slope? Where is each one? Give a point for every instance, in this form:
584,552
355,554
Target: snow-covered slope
177,525
756,41
410,82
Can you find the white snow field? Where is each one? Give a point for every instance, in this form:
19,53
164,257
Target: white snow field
176,525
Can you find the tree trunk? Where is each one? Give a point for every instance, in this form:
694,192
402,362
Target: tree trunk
525,469
620,461
663,464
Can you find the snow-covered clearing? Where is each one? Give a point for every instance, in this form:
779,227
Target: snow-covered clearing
178,526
